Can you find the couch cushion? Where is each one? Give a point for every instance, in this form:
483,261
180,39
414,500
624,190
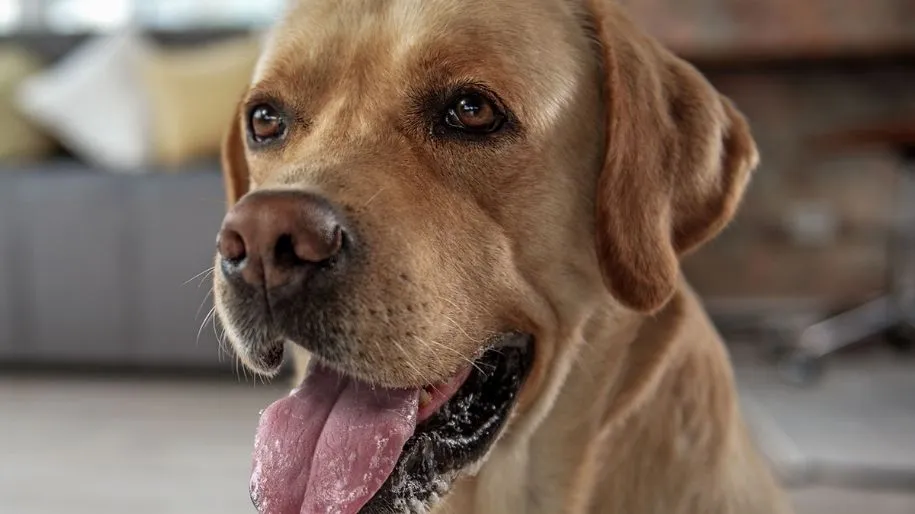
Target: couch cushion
20,140
193,93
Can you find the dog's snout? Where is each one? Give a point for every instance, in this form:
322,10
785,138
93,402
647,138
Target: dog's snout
274,238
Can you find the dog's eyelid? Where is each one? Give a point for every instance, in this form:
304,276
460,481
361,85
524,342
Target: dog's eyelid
479,89
257,96
254,102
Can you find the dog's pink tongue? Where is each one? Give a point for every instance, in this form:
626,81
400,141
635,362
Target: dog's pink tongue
329,446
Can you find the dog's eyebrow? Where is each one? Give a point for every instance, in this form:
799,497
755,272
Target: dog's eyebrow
260,94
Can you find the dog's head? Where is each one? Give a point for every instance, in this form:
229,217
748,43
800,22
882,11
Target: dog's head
430,198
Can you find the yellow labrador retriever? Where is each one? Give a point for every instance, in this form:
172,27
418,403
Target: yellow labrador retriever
464,218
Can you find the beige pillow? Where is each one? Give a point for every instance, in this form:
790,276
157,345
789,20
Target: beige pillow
20,140
193,94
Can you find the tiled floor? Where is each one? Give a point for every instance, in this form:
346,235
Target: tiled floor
163,447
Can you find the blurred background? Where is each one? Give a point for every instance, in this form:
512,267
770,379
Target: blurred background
115,396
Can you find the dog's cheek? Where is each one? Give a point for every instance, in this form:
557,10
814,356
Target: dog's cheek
420,343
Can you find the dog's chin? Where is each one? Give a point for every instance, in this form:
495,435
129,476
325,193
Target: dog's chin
264,359
437,434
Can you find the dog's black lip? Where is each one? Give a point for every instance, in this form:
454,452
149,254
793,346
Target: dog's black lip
461,432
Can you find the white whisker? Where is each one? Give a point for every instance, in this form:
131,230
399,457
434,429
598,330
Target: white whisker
202,276
206,320
455,352
203,302
428,345
372,198
406,356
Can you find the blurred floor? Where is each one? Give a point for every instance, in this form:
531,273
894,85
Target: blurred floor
846,444
115,447
74,446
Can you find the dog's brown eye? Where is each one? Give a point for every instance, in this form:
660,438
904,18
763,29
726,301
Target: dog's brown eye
474,113
267,124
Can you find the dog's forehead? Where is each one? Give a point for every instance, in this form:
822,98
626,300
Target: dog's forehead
394,28
534,46
419,15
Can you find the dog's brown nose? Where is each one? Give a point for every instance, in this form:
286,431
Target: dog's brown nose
274,238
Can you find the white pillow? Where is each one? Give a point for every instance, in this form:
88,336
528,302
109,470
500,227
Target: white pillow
94,103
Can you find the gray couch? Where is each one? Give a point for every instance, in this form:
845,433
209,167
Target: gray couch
102,269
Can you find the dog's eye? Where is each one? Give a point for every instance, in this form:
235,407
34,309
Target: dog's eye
474,113
266,124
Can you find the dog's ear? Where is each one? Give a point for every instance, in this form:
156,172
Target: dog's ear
678,158
234,162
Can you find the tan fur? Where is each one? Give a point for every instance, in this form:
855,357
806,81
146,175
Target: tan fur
571,230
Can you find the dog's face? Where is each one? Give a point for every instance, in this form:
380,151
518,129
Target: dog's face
422,189
450,149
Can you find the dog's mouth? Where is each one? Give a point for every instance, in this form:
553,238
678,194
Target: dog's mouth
340,446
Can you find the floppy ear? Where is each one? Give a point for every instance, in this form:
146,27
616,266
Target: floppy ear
679,157
234,163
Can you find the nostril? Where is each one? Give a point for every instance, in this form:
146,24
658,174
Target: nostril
310,248
284,253
231,246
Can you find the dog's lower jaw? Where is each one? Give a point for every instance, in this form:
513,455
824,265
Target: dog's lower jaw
415,457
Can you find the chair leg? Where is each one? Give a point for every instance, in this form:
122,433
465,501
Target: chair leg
902,251
801,365
848,327
892,314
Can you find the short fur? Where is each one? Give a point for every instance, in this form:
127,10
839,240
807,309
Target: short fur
569,227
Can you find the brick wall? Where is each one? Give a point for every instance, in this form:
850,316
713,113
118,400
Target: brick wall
845,198
812,226
777,26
